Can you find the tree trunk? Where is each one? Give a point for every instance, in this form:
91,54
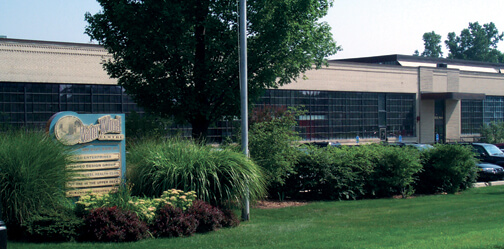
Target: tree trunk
200,128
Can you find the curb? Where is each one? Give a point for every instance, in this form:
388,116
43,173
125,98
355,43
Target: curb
486,184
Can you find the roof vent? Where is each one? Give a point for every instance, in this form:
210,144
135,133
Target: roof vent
442,65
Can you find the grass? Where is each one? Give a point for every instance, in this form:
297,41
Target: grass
32,173
472,219
219,177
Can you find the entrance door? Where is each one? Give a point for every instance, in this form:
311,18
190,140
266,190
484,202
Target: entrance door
439,121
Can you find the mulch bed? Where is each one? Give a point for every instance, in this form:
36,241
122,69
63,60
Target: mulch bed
269,204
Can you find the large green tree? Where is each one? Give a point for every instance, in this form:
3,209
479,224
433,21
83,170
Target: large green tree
180,58
432,45
478,43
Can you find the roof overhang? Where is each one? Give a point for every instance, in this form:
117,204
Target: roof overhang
451,95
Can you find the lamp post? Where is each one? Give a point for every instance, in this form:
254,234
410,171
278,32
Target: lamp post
244,92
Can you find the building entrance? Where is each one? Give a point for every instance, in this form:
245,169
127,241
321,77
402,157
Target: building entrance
439,121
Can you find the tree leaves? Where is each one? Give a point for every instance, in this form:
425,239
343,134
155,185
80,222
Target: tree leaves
432,45
181,58
478,43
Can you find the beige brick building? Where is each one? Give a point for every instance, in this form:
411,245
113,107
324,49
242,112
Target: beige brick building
394,97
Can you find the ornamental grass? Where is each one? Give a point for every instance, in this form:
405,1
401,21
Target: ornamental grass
32,174
219,177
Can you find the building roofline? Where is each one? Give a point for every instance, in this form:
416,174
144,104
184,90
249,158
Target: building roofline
57,43
398,57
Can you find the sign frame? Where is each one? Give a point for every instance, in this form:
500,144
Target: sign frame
98,144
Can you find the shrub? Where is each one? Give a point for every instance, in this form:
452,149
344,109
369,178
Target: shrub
178,198
53,225
111,224
447,168
145,208
33,174
230,219
209,217
172,222
120,198
331,173
492,133
271,136
394,171
220,177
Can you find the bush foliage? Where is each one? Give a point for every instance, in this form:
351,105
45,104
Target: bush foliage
33,174
53,225
112,224
373,171
329,173
271,139
33,179
220,177
209,217
492,133
173,222
145,208
448,168
394,171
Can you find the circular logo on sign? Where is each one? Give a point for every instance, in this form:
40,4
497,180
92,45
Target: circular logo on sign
67,130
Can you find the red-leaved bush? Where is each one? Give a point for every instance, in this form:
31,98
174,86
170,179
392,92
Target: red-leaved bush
209,217
172,222
230,219
111,224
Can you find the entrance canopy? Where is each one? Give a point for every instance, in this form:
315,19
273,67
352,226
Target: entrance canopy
451,95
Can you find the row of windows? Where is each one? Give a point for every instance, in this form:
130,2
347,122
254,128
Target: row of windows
13,88
330,115
475,113
34,104
345,115
61,98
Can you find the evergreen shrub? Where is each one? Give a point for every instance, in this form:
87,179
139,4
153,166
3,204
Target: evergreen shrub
53,225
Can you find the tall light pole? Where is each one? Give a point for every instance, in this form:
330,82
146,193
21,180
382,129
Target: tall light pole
244,93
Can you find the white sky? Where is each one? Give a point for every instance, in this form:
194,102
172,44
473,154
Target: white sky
362,27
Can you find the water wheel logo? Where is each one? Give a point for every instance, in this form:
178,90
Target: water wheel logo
68,130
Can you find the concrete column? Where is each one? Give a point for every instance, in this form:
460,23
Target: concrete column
452,83
426,121
452,120
426,79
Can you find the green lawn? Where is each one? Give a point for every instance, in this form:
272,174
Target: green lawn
473,219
